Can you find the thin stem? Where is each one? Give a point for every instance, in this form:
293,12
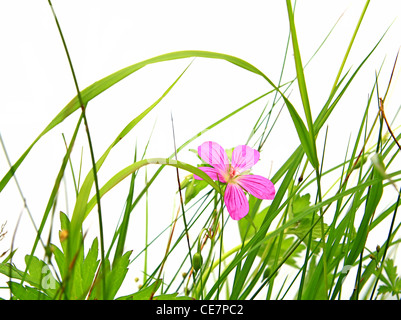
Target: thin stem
83,107
349,47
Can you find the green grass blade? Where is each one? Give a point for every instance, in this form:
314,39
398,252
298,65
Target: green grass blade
350,46
309,141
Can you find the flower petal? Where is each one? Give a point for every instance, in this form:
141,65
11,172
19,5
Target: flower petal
212,153
212,173
236,201
258,186
244,157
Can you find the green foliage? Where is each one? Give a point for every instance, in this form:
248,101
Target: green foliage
302,227
391,280
39,276
114,277
310,235
21,292
249,226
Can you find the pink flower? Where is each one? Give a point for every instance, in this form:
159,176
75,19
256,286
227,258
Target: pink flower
235,175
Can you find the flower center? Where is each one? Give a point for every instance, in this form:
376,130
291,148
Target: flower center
231,175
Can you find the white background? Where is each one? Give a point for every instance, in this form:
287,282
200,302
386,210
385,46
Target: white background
105,36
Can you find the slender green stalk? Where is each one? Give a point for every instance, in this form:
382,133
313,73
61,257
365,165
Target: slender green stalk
83,107
350,46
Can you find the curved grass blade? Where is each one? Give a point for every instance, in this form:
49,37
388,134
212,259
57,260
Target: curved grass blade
124,173
100,86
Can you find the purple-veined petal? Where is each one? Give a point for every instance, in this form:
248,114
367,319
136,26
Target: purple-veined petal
236,201
244,157
258,186
213,173
213,154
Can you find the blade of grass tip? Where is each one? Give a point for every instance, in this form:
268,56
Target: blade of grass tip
381,106
258,123
329,106
350,46
129,203
391,76
83,107
307,63
124,224
321,44
71,167
263,139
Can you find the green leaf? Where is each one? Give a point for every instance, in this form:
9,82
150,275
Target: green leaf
38,276
300,203
393,283
89,266
391,270
193,188
42,275
81,277
115,275
12,272
26,293
249,226
60,259
302,227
